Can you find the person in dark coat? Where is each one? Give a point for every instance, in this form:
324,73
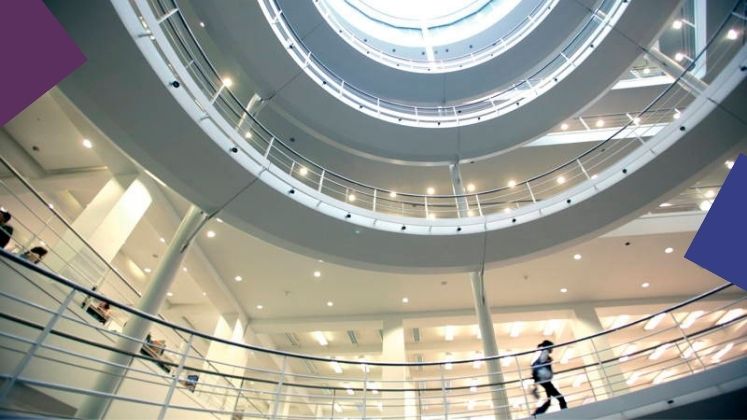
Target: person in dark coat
542,375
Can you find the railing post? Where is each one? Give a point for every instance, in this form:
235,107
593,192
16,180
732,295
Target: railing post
269,146
521,385
35,347
365,389
321,180
443,393
332,408
373,205
531,193
479,206
276,402
687,339
174,383
583,169
610,388
167,15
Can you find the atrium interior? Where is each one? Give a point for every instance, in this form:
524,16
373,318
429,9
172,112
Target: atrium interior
348,209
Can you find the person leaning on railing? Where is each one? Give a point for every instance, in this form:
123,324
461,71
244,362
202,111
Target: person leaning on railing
6,230
542,375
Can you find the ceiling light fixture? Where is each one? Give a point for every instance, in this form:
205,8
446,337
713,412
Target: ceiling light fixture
147,270
560,179
87,143
633,378
405,300
470,187
169,294
202,24
732,34
351,197
563,290
238,278
600,123
227,82
516,328
392,194
430,190
729,164
677,24
248,135
637,120
564,126
449,333
619,321
511,183
654,322
577,257
645,285
710,194
320,338
551,326
664,374
336,367
330,303
721,353
705,205
629,349
204,293
303,171
668,250
646,70
730,315
567,355
679,56
210,234
658,352
184,269
691,318
260,307
664,205
317,274
163,241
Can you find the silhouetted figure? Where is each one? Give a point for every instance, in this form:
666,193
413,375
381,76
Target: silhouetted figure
35,254
542,375
6,230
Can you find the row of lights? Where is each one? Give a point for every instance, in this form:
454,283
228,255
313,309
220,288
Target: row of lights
731,34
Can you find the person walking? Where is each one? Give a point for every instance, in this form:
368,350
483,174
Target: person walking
6,230
542,375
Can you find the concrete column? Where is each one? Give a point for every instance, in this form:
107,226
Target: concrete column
672,68
137,328
586,323
106,223
482,310
393,350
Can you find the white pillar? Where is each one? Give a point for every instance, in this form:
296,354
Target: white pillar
672,68
112,374
393,350
482,310
586,323
106,223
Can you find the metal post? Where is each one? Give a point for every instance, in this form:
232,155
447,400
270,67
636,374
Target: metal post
531,193
269,146
583,169
276,402
373,206
443,393
35,347
365,389
334,396
178,372
321,181
521,385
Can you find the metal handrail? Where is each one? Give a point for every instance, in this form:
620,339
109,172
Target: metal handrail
279,146
475,57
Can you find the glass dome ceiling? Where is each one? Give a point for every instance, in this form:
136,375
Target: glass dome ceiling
425,35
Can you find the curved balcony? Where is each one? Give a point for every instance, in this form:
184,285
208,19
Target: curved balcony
482,108
507,38
50,344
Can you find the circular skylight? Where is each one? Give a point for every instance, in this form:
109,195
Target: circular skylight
428,35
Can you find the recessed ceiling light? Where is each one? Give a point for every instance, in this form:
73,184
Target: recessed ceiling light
732,34
204,293
470,187
163,240
202,24
405,300
677,24
637,120
431,216
317,274
330,303
679,56
320,338
51,206
430,190
663,205
729,164
646,70
710,194
511,183
184,269
577,257
210,234
238,278
507,210
87,143
564,126
705,205
392,194
645,285
563,290
351,197
169,294
560,179
470,213
600,123
147,270
668,250
260,307
320,261
227,82
248,135
676,115
219,220
303,171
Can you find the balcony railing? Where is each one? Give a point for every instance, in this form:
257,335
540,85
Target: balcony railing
49,343
489,106
476,56
168,43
